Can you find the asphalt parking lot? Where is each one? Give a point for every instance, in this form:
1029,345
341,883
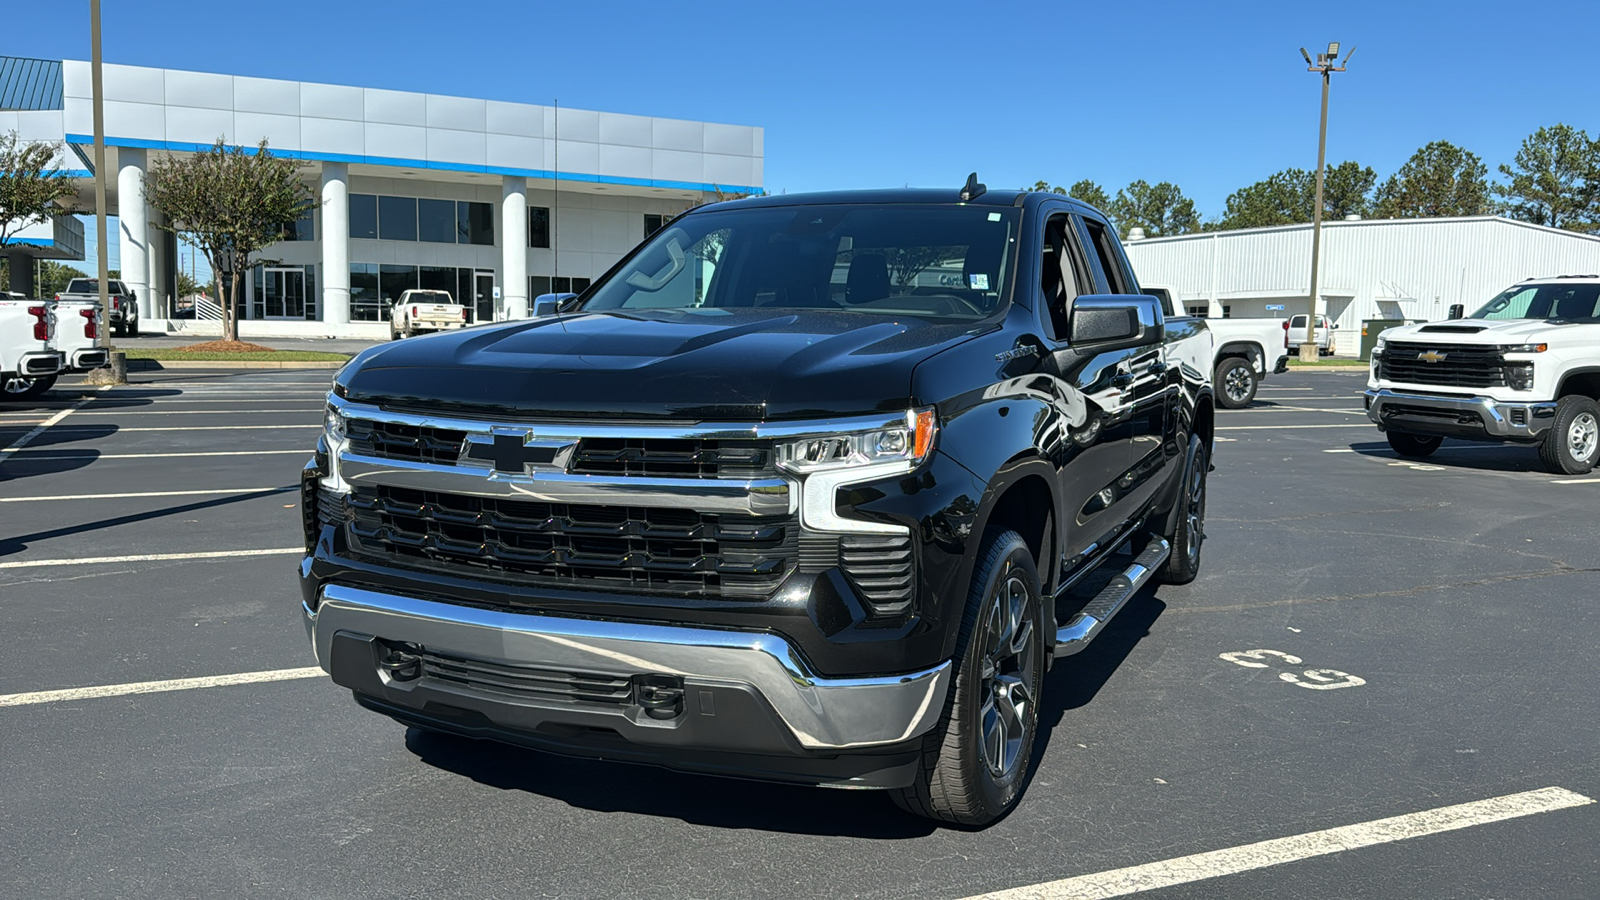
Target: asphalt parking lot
1370,638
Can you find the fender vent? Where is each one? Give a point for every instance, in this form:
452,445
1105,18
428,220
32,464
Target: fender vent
882,570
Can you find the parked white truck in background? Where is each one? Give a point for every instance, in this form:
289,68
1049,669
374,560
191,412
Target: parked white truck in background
424,310
29,360
1523,369
1246,349
80,335
124,304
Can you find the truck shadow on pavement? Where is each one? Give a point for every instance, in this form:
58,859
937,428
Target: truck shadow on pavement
728,803
50,453
10,546
1465,455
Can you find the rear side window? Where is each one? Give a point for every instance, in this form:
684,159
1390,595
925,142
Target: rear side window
1109,255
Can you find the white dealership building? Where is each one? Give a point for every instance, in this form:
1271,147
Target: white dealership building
494,201
1412,269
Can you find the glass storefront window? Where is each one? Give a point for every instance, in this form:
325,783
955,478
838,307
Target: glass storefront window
544,284
539,227
440,278
538,285
363,216
365,303
475,223
303,229
436,221
397,218
394,281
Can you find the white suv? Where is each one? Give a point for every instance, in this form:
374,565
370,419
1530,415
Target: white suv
1523,369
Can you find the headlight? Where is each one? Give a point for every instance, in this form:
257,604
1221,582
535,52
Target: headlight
1377,349
1520,378
910,441
333,425
1527,348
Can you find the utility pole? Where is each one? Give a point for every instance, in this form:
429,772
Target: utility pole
119,362
1324,65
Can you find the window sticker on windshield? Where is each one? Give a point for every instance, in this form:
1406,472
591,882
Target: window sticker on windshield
979,281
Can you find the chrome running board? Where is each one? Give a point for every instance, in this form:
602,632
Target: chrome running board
1086,625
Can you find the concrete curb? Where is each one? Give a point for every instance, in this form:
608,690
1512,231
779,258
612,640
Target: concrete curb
151,365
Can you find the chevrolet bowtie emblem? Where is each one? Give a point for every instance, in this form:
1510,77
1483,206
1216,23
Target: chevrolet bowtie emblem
517,452
1432,356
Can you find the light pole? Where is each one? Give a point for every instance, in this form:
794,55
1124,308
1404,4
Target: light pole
1324,65
118,371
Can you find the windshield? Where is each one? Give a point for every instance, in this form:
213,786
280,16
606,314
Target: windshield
1574,302
935,262
431,297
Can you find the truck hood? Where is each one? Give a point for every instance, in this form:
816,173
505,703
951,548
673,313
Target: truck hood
695,364
1484,331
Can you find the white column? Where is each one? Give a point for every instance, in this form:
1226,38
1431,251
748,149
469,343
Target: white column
335,244
133,232
514,246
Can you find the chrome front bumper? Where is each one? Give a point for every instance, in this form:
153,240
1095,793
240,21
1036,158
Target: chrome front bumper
821,713
1434,414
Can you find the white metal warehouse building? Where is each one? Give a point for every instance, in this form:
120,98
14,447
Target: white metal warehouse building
1411,269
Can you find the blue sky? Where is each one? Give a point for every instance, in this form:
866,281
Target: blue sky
1210,96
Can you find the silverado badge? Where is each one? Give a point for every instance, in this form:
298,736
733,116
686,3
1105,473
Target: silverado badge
1432,356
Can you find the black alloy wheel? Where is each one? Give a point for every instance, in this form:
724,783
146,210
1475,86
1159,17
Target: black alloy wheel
976,761
1188,532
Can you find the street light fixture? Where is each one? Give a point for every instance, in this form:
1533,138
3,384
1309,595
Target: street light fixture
1325,66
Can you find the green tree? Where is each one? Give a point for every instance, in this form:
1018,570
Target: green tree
54,276
1555,180
1046,188
230,203
31,186
1088,192
1283,198
1440,179
1346,191
1160,209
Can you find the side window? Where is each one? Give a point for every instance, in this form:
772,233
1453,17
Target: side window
1109,254
1063,274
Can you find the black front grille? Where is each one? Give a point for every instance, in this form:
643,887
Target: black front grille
414,443
528,682
1453,365
628,549
671,458
881,570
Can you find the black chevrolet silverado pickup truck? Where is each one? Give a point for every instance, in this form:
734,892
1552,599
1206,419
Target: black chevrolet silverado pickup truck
801,490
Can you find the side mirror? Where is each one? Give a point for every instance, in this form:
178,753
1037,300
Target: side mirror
1104,322
549,304
1458,311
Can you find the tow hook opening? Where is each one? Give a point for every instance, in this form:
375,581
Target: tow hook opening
661,696
400,660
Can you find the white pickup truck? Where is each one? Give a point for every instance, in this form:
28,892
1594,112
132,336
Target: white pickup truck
422,310
80,335
1523,369
29,360
1246,349
124,304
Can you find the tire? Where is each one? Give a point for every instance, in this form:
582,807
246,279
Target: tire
1572,446
1236,383
993,716
1414,446
393,334
119,329
20,388
1188,532
133,328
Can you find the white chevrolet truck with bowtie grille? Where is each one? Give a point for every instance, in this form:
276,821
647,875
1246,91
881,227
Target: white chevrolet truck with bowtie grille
1525,368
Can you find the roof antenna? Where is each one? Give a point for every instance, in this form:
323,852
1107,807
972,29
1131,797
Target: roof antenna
973,189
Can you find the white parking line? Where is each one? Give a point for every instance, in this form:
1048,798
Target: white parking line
201,412
93,457
214,427
21,442
276,490
147,557
1378,451
152,687
1275,852
1577,481
1230,427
